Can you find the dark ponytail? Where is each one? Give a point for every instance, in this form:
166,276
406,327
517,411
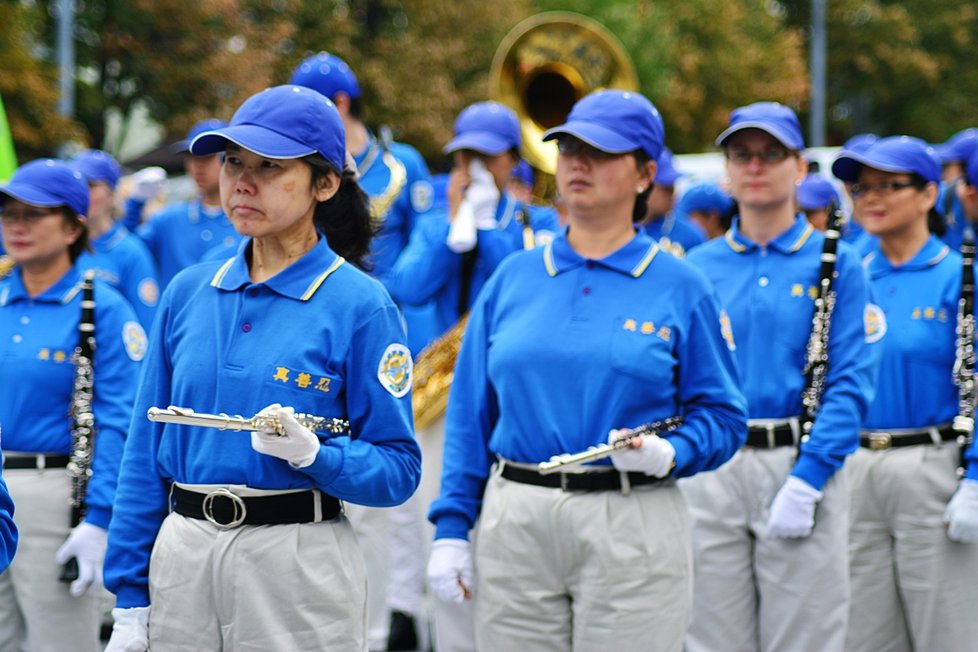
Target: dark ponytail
345,217
640,209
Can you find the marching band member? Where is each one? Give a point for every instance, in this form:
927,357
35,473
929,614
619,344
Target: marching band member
707,206
120,258
954,155
913,585
42,306
8,529
252,550
677,236
594,560
770,573
817,198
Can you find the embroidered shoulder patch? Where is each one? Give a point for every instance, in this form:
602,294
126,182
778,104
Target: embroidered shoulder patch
422,196
875,322
726,330
134,337
148,291
394,371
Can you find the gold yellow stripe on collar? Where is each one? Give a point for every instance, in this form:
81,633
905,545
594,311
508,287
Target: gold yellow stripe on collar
219,276
548,259
868,259
646,260
940,256
803,238
70,294
736,246
311,290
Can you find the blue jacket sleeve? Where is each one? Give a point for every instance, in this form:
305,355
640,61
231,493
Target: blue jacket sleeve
426,265
8,530
469,421
132,215
850,384
140,283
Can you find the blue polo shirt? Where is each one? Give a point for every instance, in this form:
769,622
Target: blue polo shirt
949,205
37,338
769,294
179,235
428,271
8,530
560,349
675,235
320,336
123,261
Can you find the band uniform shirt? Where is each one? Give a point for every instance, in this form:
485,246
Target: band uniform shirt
769,294
37,338
8,529
949,202
560,349
122,260
320,336
429,271
675,235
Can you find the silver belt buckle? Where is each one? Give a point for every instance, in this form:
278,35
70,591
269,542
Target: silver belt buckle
564,482
240,511
880,441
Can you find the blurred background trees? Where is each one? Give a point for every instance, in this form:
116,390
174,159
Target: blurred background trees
893,66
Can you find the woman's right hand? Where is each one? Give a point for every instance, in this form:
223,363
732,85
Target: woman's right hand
458,180
450,570
130,632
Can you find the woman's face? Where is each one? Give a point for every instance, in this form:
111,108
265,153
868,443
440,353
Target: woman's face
590,181
888,204
270,197
35,235
100,200
763,173
499,166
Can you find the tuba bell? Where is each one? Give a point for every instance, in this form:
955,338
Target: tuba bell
545,65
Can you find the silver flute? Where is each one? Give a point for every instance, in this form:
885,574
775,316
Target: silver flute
187,417
560,462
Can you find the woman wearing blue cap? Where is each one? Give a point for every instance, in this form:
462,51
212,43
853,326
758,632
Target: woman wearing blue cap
596,557
225,541
707,206
675,235
770,526
49,394
817,198
120,258
913,580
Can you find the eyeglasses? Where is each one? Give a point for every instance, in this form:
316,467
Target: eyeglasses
769,156
577,147
29,215
881,187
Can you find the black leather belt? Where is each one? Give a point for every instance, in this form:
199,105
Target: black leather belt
762,437
598,481
883,440
39,461
227,510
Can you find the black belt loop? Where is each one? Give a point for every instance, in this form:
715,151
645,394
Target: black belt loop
39,461
226,510
773,435
880,440
611,480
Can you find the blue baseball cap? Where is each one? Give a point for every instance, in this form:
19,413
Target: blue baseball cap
971,169
328,74
959,147
523,173
860,143
97,167
771,117
209,124
281,122
616,122
893,154
815,192
704,198
666,173
47,183
489,128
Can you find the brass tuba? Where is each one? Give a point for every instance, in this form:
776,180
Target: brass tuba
546,64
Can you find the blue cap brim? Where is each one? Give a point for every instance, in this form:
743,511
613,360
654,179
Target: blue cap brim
260,140
779,135
32,195
668,177
484,142
595,135
847,166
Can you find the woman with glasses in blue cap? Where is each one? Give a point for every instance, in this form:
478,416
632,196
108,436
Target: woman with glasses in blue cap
770,527
913,579
567,346
120,258
224,541
63,490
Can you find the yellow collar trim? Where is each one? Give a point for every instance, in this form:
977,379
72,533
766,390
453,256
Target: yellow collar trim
311,290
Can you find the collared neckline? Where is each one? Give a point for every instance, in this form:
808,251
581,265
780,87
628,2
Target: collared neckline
298,281
933,252
506,209
632,259
111,238
63,291
788,242
369,156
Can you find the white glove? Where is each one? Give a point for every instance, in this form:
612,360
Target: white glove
130,632
793,510
298,446
483,195
450,572
649,454
961,514
462,234
148,183
86,543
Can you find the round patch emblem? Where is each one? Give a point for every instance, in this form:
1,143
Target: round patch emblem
394,371
148,291
875,322
543,237
726,330
422,194
134,337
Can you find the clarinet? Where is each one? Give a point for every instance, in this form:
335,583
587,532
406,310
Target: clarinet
558,462
80,412
817,351
964,356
